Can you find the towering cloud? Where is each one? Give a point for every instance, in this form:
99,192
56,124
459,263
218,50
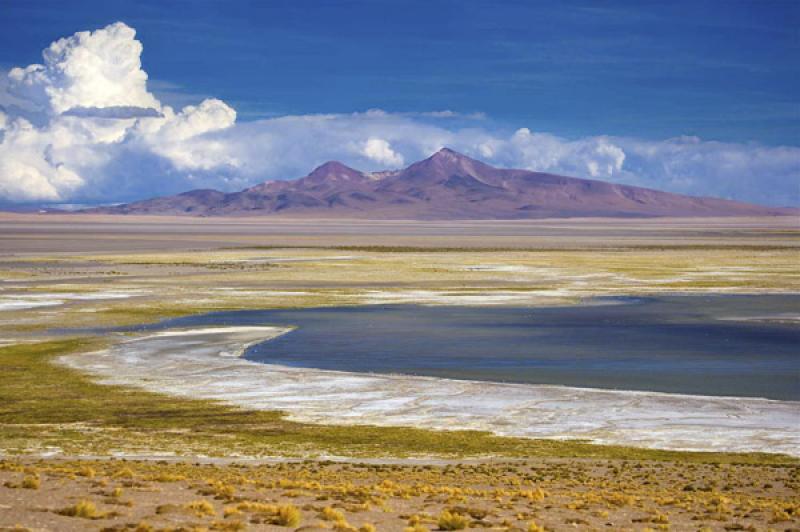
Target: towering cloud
91,105
90,69
83,126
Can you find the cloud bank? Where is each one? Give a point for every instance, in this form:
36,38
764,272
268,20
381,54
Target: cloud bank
82,126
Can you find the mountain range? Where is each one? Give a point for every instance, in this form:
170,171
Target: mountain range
447,185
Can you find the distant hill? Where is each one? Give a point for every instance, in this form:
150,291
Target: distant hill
447,185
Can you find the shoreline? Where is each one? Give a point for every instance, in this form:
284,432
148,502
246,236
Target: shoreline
209,367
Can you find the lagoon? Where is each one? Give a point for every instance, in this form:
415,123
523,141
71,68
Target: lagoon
723,345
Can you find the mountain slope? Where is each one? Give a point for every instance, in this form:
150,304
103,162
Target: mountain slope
447,185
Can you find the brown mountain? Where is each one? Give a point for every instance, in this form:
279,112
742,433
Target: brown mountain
447,185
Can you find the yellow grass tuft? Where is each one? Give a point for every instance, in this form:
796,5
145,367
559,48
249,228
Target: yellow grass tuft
452,521
281,514
201,508
125,472
229,511
534,495
533,527
83,509
287,515
331,514
31,482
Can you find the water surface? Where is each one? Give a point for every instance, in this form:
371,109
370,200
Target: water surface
701,345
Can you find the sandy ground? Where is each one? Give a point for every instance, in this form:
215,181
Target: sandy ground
72,233
552,494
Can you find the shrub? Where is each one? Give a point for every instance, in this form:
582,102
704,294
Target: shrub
779,516
31,483
534,495
230,510
201,508
219,490
659,518
84,509
331,514
287,515
452,521
282,515
125,472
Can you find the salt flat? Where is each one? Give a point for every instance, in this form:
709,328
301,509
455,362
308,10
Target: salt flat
198,363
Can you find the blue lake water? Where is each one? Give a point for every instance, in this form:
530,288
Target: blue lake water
705,345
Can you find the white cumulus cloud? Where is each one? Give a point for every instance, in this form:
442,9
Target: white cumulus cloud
381,152
30,168
210,115
101,68
180,138
93,110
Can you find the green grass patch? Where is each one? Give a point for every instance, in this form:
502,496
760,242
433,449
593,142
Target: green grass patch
44,404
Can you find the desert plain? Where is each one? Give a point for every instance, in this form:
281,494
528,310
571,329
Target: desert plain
81,451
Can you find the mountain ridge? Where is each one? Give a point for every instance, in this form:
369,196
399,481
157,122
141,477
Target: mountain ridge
446,185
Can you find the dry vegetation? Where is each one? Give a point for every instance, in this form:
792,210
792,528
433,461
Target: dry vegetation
544,494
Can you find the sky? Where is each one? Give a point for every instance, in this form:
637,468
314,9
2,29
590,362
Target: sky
159,97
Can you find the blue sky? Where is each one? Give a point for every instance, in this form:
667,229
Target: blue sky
106,101
724,70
